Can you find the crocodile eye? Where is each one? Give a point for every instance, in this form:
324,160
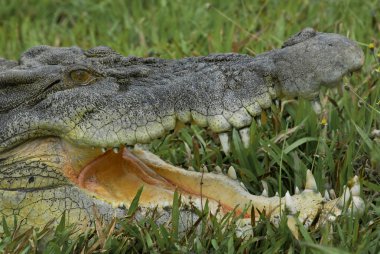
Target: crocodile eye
81,76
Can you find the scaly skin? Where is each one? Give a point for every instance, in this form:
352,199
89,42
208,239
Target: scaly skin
60,107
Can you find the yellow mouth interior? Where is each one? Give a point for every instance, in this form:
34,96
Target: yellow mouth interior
116,177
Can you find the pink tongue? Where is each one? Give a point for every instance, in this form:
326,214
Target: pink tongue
116,177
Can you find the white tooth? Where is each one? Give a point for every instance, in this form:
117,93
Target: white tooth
292,225
104,149
190,168
224,140
289,204
327,196
345,198
316,105
277,103
265,189
358,205
347,195
332,194
310,181
245,137
276,194
115,149
232,173
297,190
204,169
355,189
218,169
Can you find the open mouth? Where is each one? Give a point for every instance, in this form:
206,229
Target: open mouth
116,177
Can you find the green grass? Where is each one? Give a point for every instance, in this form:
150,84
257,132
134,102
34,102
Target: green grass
173,29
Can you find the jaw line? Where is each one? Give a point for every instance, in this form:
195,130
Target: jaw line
116,178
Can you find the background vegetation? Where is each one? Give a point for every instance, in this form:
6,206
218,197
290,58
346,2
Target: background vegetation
335,146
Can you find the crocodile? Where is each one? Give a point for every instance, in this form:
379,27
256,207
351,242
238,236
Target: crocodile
71,121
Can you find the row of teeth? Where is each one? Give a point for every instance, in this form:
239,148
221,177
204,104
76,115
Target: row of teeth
349,195
224,137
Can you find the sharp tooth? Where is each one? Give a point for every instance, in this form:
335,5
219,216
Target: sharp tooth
103,149
327,196
265,189
224,140
232,173
190,168
245,137
345,198
310,181
289,204
277,103
115,149
355,189
297,190
276,195
292,225
332,194
218,169
316,105
346,195
358,205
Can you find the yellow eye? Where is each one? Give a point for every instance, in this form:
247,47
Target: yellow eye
81,76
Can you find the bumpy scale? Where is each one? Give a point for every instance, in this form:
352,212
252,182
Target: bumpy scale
67,116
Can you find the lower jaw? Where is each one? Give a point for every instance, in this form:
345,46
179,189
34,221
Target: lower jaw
117,177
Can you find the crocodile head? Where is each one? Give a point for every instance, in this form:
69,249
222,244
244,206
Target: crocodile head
68,117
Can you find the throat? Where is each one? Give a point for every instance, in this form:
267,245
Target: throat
116,177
